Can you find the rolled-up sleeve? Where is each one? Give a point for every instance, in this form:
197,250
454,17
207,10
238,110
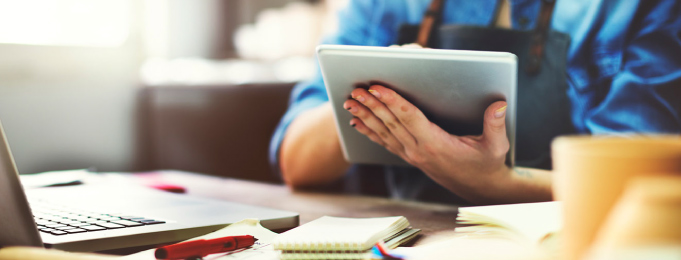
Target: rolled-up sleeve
354,28
305,96
645,96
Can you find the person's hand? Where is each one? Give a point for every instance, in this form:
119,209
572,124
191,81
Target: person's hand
467,165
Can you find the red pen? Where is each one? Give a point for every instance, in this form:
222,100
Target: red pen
204,247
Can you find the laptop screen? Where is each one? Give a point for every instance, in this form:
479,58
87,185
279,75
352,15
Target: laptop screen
17,227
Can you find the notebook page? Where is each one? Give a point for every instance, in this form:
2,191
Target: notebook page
531,221
336,233
261,250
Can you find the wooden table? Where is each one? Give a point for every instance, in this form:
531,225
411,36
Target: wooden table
429,217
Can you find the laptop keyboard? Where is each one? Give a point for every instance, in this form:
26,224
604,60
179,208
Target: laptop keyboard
61,220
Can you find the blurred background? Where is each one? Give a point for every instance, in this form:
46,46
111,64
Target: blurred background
129,85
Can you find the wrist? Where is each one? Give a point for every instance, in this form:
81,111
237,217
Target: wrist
520,184
489,187
499,183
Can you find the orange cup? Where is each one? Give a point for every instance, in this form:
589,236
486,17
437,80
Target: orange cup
590,173
647,216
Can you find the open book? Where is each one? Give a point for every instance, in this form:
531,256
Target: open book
342,238
516,231
530,222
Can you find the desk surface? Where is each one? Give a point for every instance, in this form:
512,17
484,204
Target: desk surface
429,217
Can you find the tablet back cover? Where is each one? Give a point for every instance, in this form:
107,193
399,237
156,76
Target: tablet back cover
452,88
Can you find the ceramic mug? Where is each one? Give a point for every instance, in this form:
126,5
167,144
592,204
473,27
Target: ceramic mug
646,219
590,173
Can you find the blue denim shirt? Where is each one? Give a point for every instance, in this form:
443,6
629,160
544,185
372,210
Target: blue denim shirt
624,61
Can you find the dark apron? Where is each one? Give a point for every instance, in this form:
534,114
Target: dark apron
543,110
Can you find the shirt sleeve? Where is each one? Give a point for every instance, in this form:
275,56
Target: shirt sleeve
354,28
645,96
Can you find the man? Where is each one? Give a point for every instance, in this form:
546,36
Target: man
623,75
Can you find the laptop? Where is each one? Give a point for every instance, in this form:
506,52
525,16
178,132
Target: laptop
98,217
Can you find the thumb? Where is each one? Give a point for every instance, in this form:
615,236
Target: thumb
494,127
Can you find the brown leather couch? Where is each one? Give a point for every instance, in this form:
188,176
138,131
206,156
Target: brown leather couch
213,129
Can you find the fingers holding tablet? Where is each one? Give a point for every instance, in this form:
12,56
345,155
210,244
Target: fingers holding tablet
409,116
494,128
367,123
405,87
363,129
386,118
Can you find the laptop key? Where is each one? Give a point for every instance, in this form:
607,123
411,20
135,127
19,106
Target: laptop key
65,228
109,225
55,225
75,230
151,221
127,223
110,218
79,224
57,232
92,228
70,222
128,217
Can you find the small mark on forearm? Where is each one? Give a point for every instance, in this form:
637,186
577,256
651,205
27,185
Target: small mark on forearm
523,173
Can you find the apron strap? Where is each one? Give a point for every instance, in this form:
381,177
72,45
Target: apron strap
431,20
539,36
497,13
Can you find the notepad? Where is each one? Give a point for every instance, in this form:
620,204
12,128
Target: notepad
342,238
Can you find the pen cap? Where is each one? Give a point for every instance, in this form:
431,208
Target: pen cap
212,246
243,241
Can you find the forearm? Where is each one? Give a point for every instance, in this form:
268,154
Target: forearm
310,153
515,185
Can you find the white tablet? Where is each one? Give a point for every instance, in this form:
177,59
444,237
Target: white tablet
452,88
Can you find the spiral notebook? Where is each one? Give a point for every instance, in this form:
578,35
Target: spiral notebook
342,238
